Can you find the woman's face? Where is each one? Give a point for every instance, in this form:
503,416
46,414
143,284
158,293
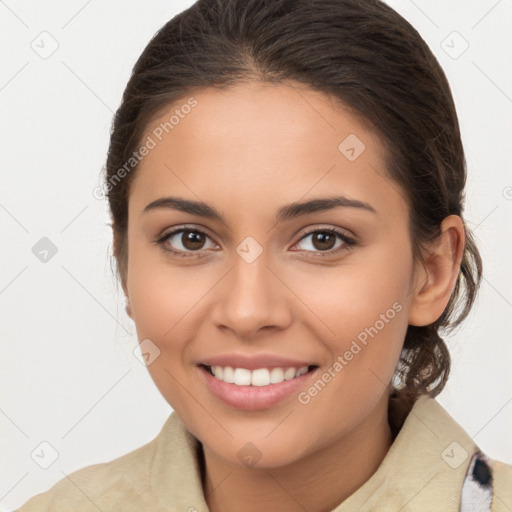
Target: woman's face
258,282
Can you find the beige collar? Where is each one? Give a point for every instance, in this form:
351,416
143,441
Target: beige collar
423,470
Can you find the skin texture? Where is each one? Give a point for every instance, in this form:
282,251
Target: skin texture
247,151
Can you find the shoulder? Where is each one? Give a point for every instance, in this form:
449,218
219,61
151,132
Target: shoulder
434,453
97,487
120,484
478,481
502,484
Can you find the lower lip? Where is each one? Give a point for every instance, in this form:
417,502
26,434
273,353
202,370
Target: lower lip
253,398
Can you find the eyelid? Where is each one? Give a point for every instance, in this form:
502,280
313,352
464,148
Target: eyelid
161,239
314,228
185,227
348,241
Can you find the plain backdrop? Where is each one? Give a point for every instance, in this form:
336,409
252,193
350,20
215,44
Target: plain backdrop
69,376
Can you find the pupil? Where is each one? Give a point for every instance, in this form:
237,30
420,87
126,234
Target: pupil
326,240
192,240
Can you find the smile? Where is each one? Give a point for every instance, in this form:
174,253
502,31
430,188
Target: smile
257,377
257,389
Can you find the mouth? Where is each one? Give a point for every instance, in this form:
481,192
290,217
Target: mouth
259,377
253,382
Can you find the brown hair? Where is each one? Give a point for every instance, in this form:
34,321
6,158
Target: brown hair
360,52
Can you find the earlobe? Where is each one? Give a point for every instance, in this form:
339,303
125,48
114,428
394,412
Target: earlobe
129,310
120,259
437,273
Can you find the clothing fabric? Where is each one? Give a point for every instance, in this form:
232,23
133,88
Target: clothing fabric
477,488
432,465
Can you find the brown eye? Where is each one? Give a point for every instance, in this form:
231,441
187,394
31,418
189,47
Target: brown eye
323,240
192,240
328,241
186,242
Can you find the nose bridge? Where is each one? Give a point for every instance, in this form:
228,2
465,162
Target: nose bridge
251,297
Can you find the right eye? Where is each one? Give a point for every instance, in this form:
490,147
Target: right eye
184,241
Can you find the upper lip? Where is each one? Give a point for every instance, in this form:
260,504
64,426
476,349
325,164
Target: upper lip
254,362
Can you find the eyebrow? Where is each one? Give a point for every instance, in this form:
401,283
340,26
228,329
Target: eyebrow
286,212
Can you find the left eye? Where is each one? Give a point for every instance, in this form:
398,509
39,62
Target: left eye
326,240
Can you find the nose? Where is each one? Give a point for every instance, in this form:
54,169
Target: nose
251,298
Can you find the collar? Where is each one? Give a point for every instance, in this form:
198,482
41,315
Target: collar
424,468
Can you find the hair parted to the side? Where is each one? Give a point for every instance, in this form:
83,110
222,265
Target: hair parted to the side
360,52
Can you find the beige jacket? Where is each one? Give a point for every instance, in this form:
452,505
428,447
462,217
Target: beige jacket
424,470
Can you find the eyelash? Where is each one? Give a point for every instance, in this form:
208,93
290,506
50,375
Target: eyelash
348,242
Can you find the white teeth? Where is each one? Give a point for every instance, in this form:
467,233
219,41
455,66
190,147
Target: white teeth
301,371
289,373
259,377
228,374
276,375
217,370
242,377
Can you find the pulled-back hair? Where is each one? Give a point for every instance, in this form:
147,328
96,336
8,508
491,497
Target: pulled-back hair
360,52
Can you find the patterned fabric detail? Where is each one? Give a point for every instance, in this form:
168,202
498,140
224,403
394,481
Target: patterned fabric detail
477,489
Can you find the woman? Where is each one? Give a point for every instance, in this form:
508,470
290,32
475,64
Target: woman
286,186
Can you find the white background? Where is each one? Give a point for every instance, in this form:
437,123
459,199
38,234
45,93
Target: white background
68,373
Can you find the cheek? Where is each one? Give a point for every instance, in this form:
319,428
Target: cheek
365,310
165,302
353,297
160,296
162,293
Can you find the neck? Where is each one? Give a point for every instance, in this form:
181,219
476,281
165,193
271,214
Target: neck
317,483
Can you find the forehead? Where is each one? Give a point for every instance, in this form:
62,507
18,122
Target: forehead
255,141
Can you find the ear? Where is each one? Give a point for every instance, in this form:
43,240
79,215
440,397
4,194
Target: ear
120,259
129,311
436,274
